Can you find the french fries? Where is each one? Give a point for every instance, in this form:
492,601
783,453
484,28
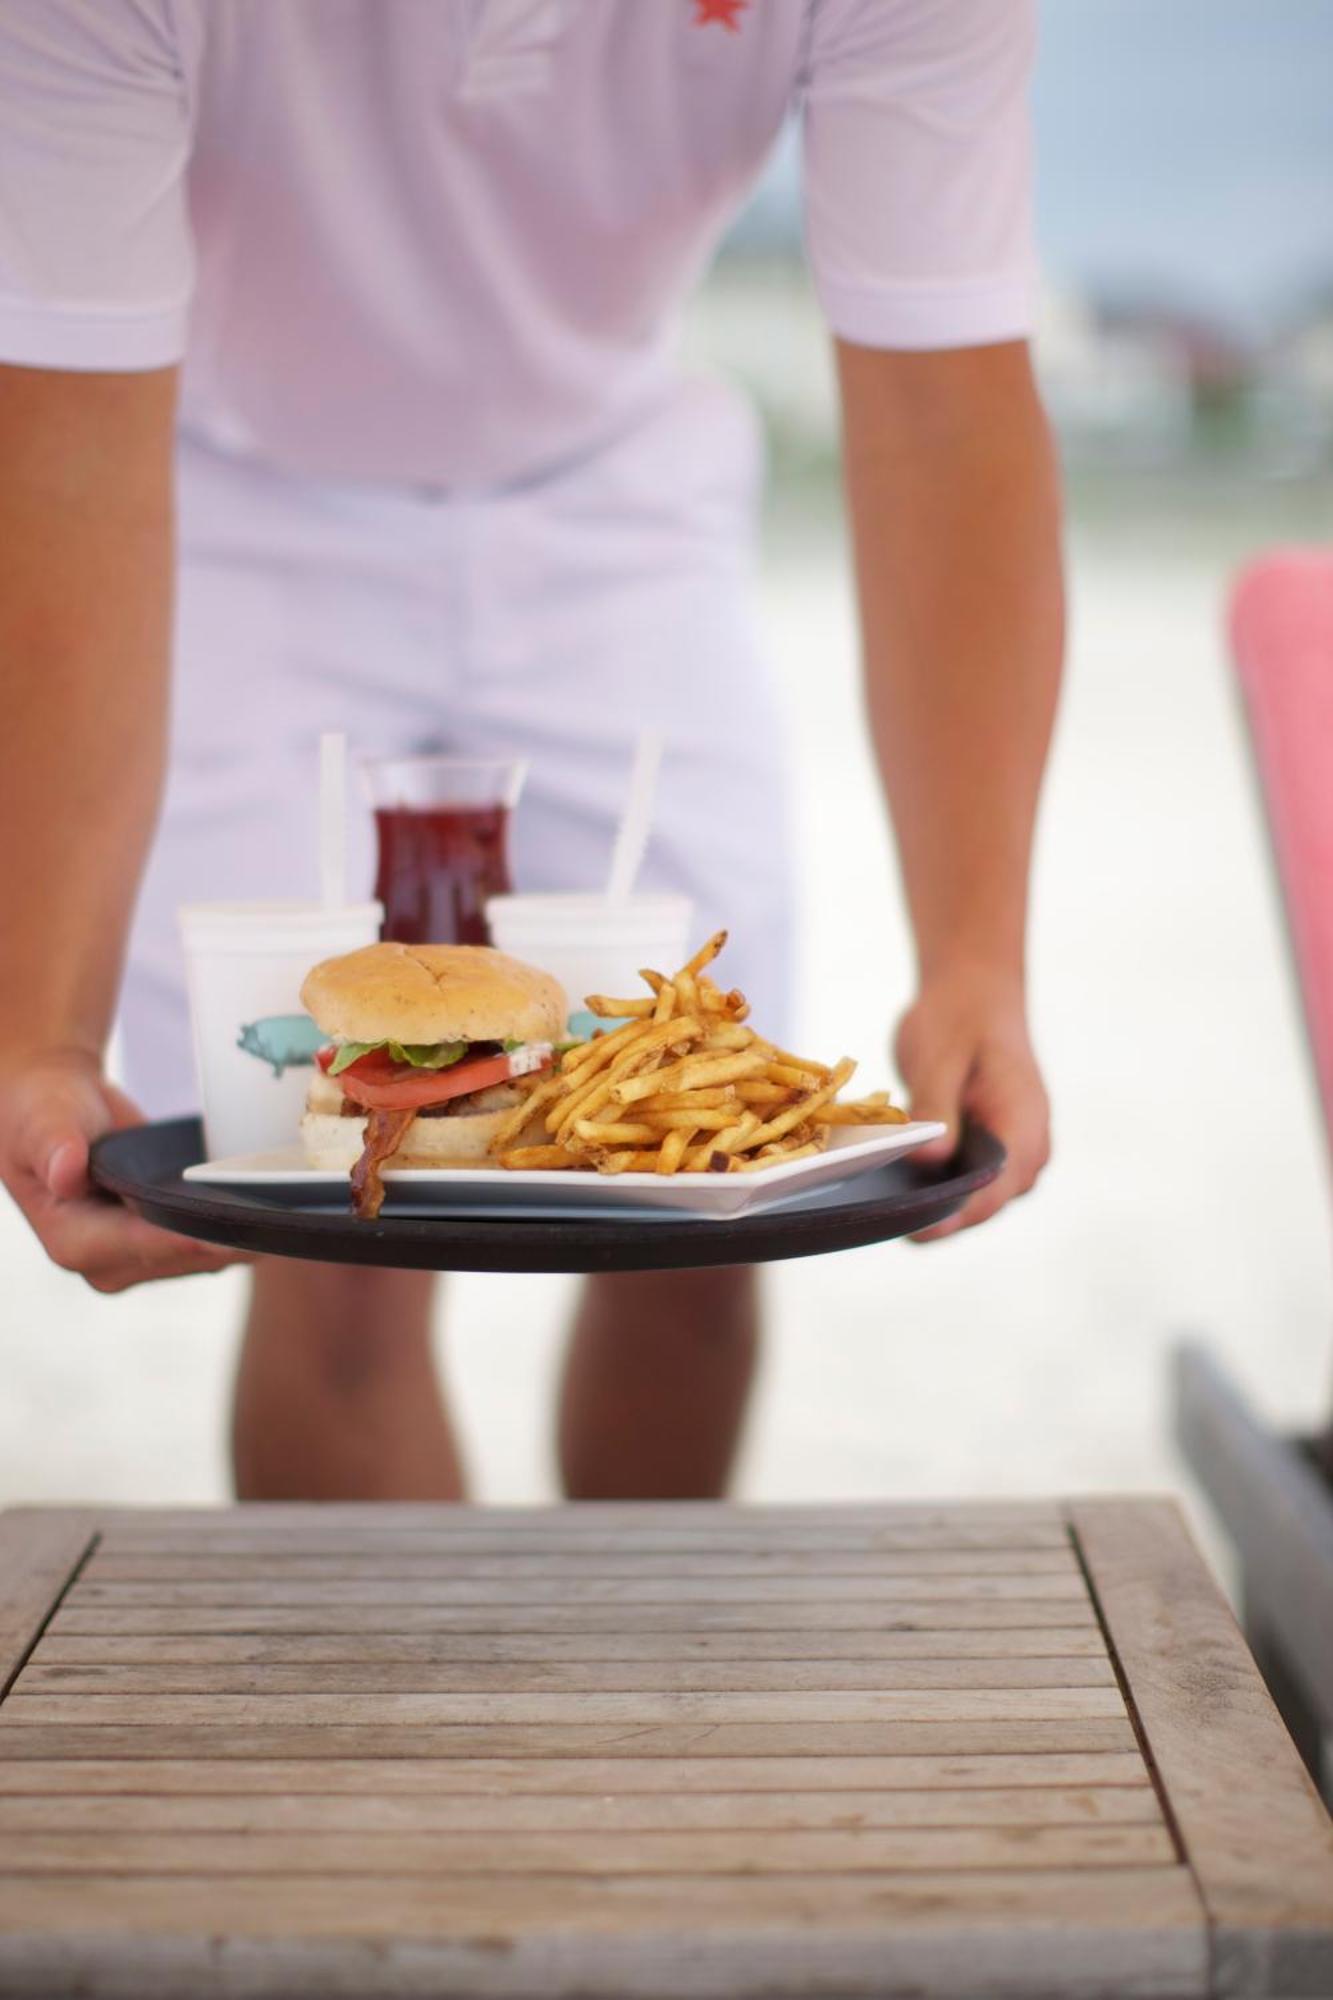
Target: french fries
696,1071
682,1085
673,1149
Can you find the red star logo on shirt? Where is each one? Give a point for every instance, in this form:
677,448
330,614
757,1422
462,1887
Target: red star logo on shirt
726,13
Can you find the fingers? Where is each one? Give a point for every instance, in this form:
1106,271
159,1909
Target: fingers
1005,1094
55,1122
47,1129
111,1247
67,1168
936,1076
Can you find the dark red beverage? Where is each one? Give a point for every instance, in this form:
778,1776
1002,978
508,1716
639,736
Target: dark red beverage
437,866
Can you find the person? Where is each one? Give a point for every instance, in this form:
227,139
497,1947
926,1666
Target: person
350,331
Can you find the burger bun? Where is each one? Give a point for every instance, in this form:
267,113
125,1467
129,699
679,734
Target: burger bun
334,1143
427,993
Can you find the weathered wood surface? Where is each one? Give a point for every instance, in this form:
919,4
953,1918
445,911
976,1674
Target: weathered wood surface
683,1651
606,1750
787,1617
698,1851
673,1572
970,1935
547,1812
690,1676
555,1586
644,1520
1256,1834
40,1552
700,1739
481,1778
820,1709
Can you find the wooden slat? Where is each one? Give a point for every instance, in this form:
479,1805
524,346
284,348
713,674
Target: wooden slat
367,1812
560,1740
900,1850
624,1776
612,1517
1134,1933
911,1614
224,1711
500,1649
574,1593
39,1552
592,1677
1256,1835
229,1535
514,1571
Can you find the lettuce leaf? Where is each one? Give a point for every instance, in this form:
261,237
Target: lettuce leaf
429,1055
421,1055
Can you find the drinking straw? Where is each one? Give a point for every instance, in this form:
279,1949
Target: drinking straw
636,822
333,819
518,777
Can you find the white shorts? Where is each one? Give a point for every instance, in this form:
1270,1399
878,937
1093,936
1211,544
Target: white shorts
551,623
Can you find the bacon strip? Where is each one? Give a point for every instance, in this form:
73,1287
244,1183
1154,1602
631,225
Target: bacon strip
383,1131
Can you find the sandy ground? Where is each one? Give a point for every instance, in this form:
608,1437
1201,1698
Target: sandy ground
1188,1191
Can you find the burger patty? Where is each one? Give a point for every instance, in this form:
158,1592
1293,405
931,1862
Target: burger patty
500,1097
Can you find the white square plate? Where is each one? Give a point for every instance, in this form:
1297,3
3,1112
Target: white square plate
853,1149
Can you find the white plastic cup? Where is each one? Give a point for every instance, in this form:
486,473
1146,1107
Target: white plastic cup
254,1043
593,945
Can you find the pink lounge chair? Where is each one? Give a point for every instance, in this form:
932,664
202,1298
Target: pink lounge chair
1274,1494
1282,642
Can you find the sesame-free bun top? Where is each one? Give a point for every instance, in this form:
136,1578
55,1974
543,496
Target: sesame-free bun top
434,993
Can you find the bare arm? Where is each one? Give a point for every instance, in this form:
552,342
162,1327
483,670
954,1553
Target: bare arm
85,592
955,516
85,601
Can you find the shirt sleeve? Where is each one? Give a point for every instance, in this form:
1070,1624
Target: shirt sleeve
918,172
96,263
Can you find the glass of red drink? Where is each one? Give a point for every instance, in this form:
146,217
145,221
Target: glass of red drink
443,826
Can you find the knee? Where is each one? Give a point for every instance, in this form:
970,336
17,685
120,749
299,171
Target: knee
712,1308
722,1305
346,1325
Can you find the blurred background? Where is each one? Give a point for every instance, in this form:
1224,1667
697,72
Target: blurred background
1186,349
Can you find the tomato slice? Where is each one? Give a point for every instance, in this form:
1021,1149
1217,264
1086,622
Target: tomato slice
375,1062
404,1087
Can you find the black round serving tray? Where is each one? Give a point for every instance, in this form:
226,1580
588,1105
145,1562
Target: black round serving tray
143,1166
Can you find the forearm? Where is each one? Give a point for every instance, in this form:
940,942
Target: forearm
85,595
954,504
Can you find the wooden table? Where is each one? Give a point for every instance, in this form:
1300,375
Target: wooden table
671,1750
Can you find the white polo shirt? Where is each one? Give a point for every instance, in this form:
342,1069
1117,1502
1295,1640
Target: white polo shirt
444,241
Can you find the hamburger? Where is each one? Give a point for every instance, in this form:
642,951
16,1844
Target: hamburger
429,1046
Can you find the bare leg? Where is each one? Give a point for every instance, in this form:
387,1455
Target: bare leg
656,1383
336,1396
